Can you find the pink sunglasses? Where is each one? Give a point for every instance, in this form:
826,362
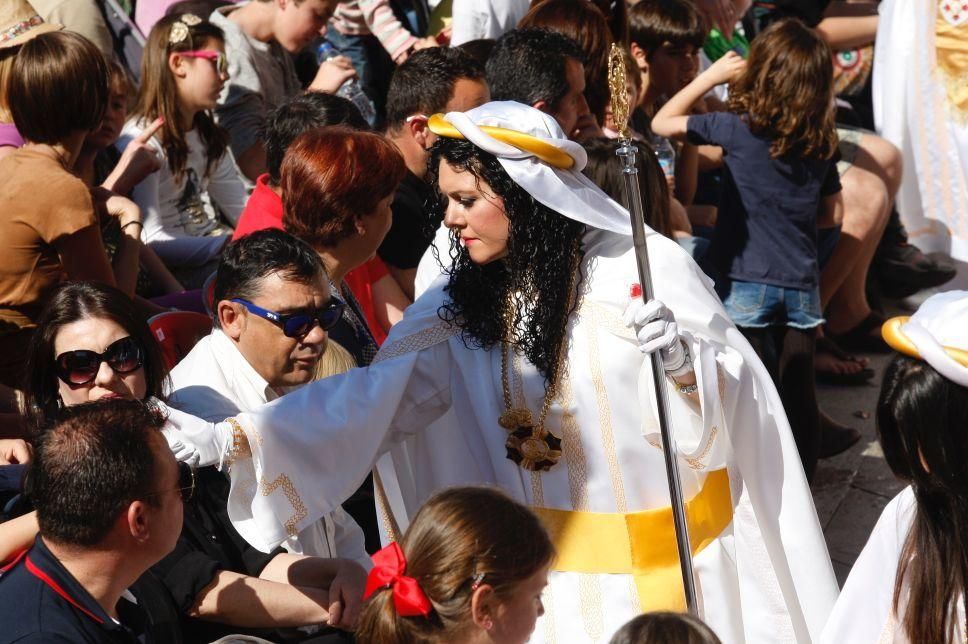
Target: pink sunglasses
221,62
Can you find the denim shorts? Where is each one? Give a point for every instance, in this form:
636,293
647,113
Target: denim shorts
754,305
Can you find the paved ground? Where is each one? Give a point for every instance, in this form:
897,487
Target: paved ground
851,489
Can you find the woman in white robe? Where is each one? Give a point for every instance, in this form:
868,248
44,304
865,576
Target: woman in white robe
908,584
763,572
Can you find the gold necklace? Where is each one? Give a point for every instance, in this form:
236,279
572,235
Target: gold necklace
529,444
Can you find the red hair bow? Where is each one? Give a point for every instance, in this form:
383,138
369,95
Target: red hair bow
389,566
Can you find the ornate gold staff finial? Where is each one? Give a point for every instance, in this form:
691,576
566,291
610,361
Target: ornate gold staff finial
617,78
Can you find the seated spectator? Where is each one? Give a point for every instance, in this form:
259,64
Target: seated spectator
19,23
378,295
109,496
543,69
50,227
584,23
182,72
665,628
250,358
92,345
259,36
470,568
430,81
662,214
333,201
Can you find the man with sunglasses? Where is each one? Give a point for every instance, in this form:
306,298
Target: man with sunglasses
109,496
272,310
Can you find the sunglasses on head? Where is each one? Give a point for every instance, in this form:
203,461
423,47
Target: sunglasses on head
80,367
221,62
186,483
298,325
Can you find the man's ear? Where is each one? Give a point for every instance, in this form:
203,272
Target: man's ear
484,607
641,60
230,318
543,106
137,520
419,130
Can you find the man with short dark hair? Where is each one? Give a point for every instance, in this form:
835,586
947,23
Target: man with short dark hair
543,69
434,80
272,308
108,494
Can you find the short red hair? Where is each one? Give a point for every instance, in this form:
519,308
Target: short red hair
333,175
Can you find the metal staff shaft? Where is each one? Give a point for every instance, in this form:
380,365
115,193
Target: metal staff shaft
626,151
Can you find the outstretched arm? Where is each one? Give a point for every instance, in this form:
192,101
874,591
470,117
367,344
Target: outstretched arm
671,121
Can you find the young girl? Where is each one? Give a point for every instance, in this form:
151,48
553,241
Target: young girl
182,73
909,582
471,568
778,143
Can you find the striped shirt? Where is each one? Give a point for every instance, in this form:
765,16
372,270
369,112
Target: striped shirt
363,17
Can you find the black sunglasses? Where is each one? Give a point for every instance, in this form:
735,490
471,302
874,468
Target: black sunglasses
298,325
186,483
80,367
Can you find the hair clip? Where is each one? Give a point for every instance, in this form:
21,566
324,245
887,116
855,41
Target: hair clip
179,29
476,581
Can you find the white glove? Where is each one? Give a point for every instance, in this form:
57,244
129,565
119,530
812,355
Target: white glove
194,440
656,330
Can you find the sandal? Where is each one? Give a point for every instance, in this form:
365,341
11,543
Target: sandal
827,347
860,339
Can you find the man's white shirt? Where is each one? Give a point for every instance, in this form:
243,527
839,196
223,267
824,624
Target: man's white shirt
215,381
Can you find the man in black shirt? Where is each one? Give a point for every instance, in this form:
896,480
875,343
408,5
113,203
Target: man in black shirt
441,79
108,495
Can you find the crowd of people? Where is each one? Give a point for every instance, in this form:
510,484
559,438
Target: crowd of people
322,322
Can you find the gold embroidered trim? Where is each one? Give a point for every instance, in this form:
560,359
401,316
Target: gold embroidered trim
590,597
517,391
240,444
696,462
416,342
383,506
299,508
576,462
610,322
605,415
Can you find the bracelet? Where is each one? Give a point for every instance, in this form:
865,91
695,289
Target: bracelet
687,389
131,223
684,364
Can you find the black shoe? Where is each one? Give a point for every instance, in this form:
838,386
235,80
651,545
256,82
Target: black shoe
903,270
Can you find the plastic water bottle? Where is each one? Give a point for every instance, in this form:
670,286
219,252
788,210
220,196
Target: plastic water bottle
666,155
351,89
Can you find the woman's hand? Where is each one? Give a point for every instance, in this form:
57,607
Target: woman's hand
656,330
346,595
333,72
125,210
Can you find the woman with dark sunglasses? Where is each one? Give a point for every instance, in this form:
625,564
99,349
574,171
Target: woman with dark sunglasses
90,344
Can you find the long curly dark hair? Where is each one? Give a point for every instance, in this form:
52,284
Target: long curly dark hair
534,279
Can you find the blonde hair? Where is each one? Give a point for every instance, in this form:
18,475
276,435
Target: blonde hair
787,91
334,361
460,536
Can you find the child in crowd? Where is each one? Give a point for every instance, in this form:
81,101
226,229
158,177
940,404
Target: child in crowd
665,628
58,88
471,567
182,73
778,143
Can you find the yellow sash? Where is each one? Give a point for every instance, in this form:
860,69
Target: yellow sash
642,544
951,44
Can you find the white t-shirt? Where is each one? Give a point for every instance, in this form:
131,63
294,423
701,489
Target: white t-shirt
181,218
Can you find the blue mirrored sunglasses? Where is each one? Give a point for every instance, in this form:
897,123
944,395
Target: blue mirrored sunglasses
298,325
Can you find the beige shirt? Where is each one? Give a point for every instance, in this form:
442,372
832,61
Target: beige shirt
80,16
41,205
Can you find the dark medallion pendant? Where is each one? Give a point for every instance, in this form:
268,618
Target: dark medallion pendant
534,450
